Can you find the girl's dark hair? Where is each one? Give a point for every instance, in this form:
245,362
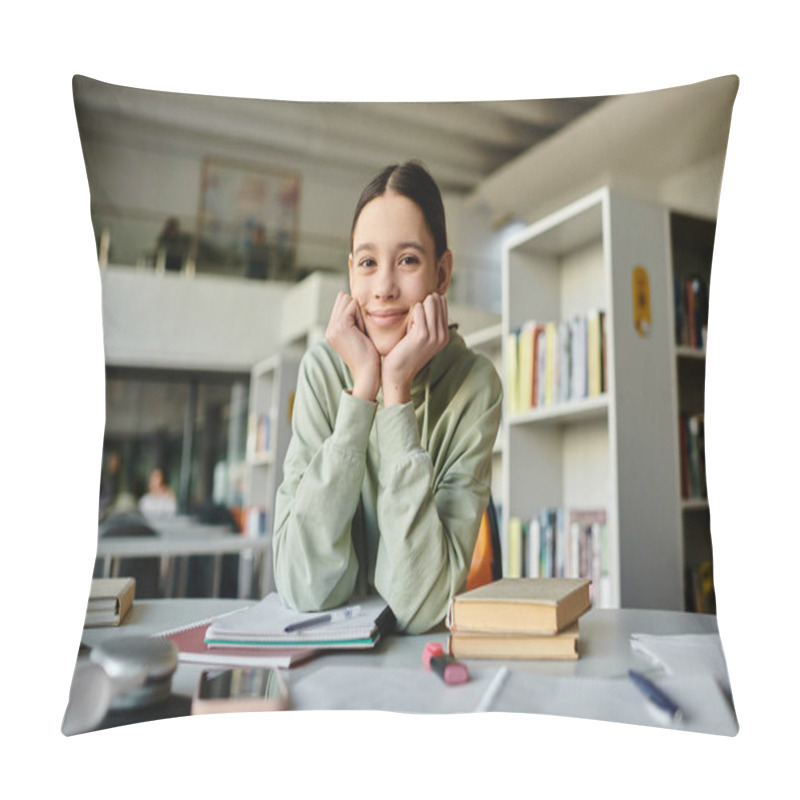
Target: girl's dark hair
413,181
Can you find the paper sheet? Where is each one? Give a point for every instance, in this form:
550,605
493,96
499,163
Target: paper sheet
421,691
705,708
685,654
386,689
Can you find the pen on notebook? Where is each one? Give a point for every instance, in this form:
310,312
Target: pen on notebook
323,619
658,700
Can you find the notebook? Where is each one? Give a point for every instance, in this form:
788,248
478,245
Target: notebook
190,641
263,625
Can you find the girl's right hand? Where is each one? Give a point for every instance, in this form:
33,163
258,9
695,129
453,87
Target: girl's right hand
346,334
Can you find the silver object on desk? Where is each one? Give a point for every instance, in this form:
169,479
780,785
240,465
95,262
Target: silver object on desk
89,698
140,669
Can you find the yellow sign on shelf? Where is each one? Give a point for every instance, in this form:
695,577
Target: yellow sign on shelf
641,301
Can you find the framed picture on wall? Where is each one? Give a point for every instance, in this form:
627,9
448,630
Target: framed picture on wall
247,220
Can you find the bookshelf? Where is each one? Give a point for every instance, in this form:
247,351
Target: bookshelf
692,244
272,385
611,447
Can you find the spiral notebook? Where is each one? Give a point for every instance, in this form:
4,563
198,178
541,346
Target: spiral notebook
192,648
264,625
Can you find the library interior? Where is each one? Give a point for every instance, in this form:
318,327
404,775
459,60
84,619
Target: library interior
582,232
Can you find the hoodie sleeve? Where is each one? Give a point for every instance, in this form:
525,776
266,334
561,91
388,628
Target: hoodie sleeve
313,554
430,508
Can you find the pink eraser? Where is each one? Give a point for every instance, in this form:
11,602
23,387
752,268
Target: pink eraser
449,670
432,649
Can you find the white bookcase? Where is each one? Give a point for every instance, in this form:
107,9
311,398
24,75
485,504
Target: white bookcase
272,386
618,450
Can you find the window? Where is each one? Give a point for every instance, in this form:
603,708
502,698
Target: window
192,426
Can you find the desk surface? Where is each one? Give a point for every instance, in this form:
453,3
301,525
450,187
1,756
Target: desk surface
177,539
181,542
391,677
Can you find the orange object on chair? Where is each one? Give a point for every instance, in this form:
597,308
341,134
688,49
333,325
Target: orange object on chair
486,566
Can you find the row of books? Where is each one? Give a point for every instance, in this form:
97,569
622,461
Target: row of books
259,433
553,362
562,543
691,430
257,521
530,618
691,311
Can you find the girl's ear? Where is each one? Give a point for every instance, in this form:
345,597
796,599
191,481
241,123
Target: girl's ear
350,271
444,271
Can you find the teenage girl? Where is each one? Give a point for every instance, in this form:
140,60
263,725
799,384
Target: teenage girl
388,470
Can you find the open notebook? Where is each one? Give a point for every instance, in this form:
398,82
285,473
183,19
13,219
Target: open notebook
264,624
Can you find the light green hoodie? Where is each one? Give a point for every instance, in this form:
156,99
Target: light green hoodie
386,499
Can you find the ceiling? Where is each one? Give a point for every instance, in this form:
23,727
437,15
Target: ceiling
461,143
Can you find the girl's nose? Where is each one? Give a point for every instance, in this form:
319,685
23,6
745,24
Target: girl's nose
385,286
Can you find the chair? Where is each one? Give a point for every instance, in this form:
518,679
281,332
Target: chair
146,571
200,569
487,565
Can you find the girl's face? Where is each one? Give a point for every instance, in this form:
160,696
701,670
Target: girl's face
393,266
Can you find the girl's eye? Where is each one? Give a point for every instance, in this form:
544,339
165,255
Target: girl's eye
366,263
409,260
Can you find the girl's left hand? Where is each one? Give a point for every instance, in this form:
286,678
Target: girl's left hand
426,334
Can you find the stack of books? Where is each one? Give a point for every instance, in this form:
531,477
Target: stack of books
110,599
531,618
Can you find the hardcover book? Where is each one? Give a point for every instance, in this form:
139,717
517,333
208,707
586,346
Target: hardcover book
560,646
520,605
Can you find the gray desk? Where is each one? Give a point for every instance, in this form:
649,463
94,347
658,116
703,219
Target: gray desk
175,541
391,677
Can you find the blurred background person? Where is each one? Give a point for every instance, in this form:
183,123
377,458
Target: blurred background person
159,500
172,246
258,254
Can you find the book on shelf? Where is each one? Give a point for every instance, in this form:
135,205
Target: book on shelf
578,373
257,521
512,372
701,585
539,370
525,356
110,599
595,335
691,311
538,606
259,433
691,432
564,363
556,361
550,364
561,646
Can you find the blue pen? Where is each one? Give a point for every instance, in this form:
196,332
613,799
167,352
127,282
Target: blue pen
332,616
657,699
